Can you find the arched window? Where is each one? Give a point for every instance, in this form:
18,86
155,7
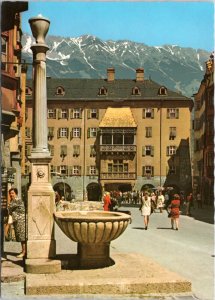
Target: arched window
60,91
102,91
162,91
136,91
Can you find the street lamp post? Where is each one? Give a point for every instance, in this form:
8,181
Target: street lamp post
41,245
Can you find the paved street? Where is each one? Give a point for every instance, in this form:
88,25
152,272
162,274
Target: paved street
188,252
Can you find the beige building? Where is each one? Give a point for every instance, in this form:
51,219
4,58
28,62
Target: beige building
113,134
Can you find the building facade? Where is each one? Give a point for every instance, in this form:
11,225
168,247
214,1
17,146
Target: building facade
204,136
12,92
112,134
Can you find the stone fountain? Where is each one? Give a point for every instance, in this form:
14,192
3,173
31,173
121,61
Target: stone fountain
93,231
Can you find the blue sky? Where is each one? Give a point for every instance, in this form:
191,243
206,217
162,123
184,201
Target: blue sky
187,24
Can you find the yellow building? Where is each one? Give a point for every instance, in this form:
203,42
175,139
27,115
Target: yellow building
115,134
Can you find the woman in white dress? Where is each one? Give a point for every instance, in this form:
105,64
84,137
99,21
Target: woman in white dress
160,201
146,208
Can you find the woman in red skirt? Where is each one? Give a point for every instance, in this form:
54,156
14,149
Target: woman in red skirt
175,211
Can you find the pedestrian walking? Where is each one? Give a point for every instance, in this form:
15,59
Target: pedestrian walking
107,201
189,204
146,208
199,200
160,201
17,211
175,211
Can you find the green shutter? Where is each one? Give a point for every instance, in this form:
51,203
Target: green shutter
152,150
88,133
177,113
97,114
71,113
152,115
167,113
144,113
143,171
143,151
88,114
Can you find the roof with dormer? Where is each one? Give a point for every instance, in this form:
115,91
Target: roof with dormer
117,90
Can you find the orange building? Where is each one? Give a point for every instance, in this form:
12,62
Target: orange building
204,136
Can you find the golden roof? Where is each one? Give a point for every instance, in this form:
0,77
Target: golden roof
118,117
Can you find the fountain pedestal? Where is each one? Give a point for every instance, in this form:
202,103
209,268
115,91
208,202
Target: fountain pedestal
94,255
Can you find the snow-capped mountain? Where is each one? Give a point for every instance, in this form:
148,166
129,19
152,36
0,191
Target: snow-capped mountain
87,56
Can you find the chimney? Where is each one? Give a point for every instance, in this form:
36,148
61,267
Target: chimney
140,74
110,74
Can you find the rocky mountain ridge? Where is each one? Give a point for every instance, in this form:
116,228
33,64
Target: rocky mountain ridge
180,69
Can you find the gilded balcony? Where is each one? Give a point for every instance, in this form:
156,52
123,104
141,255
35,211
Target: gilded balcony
118,175
118,148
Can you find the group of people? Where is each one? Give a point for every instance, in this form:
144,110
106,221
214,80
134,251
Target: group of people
172,206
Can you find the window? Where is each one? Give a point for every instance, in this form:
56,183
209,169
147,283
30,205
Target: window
60,91
76,150
117,139
76,170
76,132
172,170
118,166
63,114
148,132
92,113
64,170
106,139
51,149
136,91
92,150
27,150
172,133
92,170
63,132
102,91
148,151
27,169
171,150
51,113
50,133
148,171
27,132
91,132
172,113
4,52
63,151
162,91
128,139
28,91
148,113
76,113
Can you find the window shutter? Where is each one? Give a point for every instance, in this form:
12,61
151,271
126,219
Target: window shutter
152,150
88,133
54,113
88,114
71,113
177,113
69,170
63,150
97,171
167,151
143,151
152,171
80,113
80,132
143,171
88,170
58,169
167,113
28,150
152,115
144,113
71,135
67,132
97,114
67,114
79,170
59,113
58,133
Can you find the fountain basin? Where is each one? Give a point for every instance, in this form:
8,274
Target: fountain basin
93,231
